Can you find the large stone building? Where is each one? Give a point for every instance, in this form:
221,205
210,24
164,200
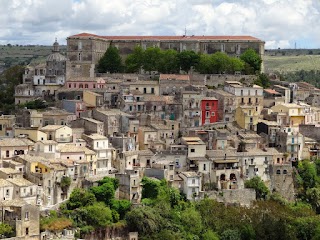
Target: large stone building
85,49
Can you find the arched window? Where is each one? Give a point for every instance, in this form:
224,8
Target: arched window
80,85
285,171
80,57
86,86
278,171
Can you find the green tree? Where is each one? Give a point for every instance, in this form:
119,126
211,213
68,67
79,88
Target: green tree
151,59
313,197
221,62
97,215
308,173
105,191
80,198
134,61
210,235
230,234
9,79
121,206
257,184
236,65
263,80
188,59
6,230
150,188
192,221
110,62
205,65
168,62
146,220
253,61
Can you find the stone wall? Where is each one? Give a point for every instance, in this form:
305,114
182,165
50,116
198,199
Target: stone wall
109,233
310,131
282,181
242,197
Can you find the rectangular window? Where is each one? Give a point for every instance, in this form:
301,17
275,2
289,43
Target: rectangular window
193,181
27,231
223,47
207,114
292,140
204,167
26,215
144,90
192,150
152,90
7,153
50,148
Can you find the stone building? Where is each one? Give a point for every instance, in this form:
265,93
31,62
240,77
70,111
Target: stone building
85,49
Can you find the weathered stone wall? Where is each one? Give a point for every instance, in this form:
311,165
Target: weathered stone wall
110,233
310,131
282,181
243,197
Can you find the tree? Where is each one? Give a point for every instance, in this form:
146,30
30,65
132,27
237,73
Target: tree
192,221
205,65
169,62
262,80
5,230
257,184
121,206
253,61
80,198
110,62
106,190
188,59
221,62
308,173
151,59
97,215
134,61
210,235
146,220
150,188
230,234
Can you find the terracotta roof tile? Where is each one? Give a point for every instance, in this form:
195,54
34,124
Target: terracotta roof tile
168,38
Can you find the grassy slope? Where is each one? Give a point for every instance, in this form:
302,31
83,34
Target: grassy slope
291,63
12,55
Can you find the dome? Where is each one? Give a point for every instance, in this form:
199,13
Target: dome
56,57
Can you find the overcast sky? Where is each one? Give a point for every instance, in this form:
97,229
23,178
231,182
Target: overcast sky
280,23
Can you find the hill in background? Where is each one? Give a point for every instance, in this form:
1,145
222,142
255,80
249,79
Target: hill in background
291,60
11,55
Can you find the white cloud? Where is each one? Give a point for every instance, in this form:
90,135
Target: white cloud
280,23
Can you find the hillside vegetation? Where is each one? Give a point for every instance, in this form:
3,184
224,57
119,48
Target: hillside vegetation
292,63
11,55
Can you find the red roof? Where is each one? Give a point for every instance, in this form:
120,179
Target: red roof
271,91
141,38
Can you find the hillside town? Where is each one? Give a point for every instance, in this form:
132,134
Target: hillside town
205,134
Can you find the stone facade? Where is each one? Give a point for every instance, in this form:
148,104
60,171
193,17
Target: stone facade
85,50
